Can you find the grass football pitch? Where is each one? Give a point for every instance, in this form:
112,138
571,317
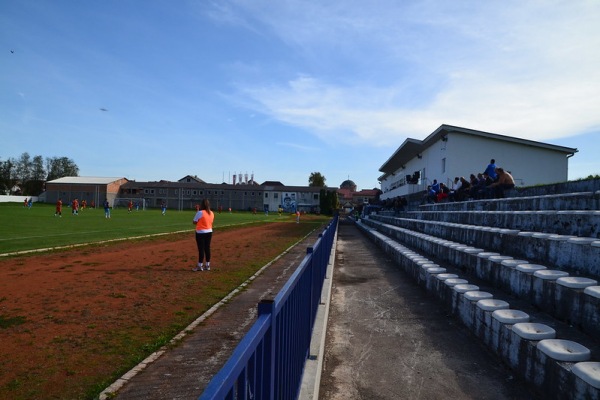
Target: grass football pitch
26,229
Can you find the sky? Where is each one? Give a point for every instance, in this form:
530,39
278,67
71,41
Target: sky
161,89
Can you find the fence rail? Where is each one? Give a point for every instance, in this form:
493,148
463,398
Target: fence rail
269,360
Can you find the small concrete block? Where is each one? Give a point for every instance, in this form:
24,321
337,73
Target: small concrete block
455,281
436,270
513,263
487,254
593,291
582,240
589,371
533,331
529,268
559,238
420,263
473,250
443,277
526,234
477,295
541,235
499,258
464,287
575,282
564,350
507,316
550,274
492,304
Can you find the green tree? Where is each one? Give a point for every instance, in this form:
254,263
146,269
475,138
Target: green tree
60,167
316,179
23,168
329,201
7,173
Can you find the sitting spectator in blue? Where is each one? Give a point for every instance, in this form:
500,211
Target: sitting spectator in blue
505,182
435,186
430,195
491,170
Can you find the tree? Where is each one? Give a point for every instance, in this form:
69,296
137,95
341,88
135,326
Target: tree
35,185
23,168
7,173
329,201
316,179
60,167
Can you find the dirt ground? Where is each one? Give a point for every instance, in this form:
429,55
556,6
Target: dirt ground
71,316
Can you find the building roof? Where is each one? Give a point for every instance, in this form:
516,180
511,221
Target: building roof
411,148
87,180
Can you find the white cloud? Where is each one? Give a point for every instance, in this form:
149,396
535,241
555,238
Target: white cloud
525,70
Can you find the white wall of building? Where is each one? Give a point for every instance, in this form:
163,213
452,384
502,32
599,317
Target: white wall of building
462,154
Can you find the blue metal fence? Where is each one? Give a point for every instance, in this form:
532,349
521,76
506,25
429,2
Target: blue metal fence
269,361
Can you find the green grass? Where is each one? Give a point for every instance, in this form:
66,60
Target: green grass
23,229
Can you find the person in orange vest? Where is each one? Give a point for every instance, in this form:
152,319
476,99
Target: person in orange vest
204,227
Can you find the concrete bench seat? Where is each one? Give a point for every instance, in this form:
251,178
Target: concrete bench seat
533,331
561,201
564,252
564,350
588,371
507,316
583,223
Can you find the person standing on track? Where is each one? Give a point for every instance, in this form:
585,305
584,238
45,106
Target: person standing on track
204,227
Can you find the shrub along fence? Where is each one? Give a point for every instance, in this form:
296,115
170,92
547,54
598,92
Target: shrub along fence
269,361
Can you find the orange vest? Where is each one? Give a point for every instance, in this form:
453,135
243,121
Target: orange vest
205,222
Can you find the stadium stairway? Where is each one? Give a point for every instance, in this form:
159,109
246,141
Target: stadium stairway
521,273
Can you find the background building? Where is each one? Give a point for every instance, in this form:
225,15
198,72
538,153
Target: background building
94,190
452,151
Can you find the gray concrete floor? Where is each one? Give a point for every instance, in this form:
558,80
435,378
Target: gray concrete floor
387,339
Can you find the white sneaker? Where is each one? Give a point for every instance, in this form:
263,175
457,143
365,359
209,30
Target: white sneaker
198,268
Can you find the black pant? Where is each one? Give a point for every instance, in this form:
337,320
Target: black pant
203,243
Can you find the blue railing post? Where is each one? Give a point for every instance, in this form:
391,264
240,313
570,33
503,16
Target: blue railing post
268,383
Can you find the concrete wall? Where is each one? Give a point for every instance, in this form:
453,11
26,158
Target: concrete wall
17,199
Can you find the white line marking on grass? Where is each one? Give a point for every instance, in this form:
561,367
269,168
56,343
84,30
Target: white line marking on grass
71,246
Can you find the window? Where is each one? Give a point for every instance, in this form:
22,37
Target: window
266,195
315,197
443,165
275,195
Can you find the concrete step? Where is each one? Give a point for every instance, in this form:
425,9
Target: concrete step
559,362
584,223
562,201
577,255
566,298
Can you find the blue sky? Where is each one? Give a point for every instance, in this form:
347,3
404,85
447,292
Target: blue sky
280,89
